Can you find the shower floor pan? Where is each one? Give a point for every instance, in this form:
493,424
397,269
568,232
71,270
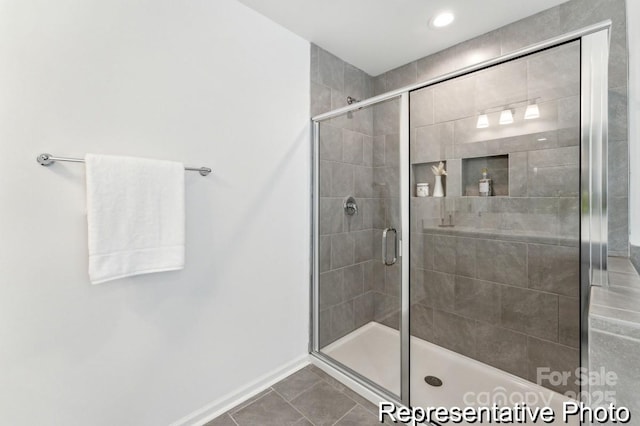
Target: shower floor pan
373,350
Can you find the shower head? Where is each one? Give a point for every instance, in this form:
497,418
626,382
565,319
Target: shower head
351,100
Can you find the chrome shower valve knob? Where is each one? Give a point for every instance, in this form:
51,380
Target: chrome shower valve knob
350,206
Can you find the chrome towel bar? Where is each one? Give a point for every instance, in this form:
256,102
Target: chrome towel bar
48,159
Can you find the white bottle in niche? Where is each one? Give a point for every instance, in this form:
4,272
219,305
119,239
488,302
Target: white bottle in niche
422,189
484,187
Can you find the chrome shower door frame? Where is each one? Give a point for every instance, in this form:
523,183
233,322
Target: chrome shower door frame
594,111
403,248
593,192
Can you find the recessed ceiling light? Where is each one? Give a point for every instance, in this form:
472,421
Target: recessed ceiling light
442,19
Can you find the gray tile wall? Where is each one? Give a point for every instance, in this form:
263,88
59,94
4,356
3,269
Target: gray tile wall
494,300
498,301
525,288
359,156
386,185
566,17
346,168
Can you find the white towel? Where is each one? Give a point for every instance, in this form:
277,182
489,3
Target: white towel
136,216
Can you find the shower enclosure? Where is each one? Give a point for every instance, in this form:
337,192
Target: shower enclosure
423,299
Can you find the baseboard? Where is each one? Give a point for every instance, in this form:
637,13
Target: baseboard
224,404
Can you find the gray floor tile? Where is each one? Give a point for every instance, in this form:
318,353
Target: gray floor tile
223,420
327,378
358,416
323,404
270,410
296,383
365,403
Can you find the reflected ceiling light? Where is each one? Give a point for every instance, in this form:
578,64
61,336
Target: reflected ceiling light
483,121
532,112
542,139
442,19
506,117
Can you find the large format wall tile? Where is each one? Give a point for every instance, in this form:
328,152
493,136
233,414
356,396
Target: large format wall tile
533,29
477,299
331,216
554,357
577,14
330,143
331,288
342,250
555,74
342,319
502,262
421,108
363,309
618,160
454,332
330,70
422,322
320,99
455,99
531,312
502,349
438,64
502,85
554,269
618,216
439,290
357,83
618,119
569,321
401,76
432,143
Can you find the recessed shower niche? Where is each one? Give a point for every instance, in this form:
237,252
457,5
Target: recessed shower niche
423,173
497,169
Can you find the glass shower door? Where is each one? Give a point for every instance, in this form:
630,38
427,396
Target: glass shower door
358,285
495,259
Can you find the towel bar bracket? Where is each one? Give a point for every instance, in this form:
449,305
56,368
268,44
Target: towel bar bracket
48,159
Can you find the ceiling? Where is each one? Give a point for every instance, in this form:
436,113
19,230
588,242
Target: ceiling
379,35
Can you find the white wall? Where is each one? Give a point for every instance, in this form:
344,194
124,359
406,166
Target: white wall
633,28
208,82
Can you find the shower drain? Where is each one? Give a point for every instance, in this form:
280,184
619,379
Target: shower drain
433,381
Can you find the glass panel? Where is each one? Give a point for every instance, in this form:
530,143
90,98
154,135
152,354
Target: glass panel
495,259
359,295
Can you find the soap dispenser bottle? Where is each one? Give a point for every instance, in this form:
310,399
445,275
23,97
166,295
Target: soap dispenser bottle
484,187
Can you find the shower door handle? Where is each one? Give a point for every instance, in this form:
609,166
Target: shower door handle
384,246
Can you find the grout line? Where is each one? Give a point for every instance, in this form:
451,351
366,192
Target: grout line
293,406
300,393
312,387
233,420
345,414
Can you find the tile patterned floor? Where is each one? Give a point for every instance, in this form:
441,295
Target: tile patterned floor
307,397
